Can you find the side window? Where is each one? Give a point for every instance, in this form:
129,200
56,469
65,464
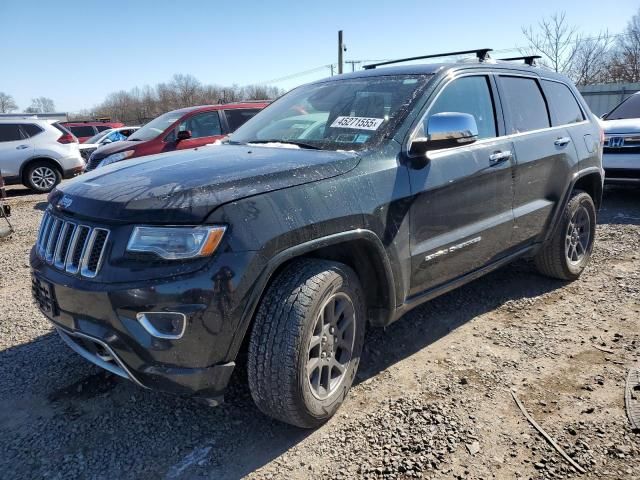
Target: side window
30,129
526,104
237,117
202,125
563,105
470,95
10,132
102,128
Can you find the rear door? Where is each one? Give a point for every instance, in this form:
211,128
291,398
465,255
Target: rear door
461,217
14,149
205,128
544,155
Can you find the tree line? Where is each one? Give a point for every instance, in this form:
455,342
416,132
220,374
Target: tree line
139,105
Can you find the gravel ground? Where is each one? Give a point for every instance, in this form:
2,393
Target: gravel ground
432,398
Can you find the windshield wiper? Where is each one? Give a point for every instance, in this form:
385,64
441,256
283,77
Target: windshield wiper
288,142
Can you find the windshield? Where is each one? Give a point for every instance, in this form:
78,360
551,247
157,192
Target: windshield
96,138
156,126
630,108
337,115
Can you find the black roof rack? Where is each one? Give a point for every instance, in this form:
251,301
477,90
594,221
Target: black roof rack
481,53
528,59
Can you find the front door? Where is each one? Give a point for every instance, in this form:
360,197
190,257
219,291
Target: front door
204,127
461,215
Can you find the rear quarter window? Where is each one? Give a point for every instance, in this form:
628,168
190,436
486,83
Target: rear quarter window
525,103
30,129
563,105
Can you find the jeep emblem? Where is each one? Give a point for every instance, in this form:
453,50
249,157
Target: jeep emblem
65,202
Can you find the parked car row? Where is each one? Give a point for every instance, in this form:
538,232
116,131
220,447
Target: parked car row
40,153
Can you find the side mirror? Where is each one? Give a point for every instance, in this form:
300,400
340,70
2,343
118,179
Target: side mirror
106,141
446,130
184,135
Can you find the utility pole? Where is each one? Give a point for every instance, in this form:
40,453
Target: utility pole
340,50
353,64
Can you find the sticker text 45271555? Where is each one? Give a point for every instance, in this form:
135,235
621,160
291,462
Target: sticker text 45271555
360,123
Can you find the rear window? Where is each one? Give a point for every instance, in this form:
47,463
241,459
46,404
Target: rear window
30,129
237,117
84,131
563,105
526,104
10,132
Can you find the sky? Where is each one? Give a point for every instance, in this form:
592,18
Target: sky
77,52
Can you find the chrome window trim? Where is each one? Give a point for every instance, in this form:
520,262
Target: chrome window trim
499,137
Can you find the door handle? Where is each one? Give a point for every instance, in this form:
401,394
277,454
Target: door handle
22,147
498,157
562,141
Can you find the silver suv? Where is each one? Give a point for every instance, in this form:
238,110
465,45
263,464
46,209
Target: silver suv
37,153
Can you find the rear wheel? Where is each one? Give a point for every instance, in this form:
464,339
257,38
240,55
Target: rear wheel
306,342
568,252
42,176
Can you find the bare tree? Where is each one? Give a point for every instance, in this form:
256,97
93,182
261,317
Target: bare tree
41,105
7,103
592,60
625,66
555,40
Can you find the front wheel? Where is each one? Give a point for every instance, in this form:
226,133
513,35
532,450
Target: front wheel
306,342
568,252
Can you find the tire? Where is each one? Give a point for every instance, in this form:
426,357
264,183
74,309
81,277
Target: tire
42,176
290,363
568,252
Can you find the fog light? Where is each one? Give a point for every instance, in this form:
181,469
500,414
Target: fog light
167,325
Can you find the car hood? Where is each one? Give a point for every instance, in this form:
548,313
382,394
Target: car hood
627,125
115,147
184,187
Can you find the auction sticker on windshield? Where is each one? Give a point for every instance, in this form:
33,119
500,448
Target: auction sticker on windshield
360,123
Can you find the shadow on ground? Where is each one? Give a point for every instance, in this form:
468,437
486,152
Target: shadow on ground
61,416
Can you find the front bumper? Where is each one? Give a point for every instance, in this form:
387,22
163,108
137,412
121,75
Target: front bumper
99,321
621,167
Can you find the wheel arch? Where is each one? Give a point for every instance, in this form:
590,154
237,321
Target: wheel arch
25,166
362,250
591,181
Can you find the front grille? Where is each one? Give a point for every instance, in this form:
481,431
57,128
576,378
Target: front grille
86,153
71,247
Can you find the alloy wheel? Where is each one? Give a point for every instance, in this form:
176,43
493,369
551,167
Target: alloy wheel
44,178
578,236
331,345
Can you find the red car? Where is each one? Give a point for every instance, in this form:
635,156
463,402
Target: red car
85,130
178,130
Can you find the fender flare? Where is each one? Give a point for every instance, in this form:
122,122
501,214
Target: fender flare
567,195
278,260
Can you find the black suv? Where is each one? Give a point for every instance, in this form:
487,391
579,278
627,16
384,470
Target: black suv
344,204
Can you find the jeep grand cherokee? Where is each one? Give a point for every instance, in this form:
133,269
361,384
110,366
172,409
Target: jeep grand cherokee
342,205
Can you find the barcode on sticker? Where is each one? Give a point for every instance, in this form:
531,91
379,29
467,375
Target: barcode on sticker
361,123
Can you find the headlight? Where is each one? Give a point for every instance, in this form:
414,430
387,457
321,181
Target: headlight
116,157
175,243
